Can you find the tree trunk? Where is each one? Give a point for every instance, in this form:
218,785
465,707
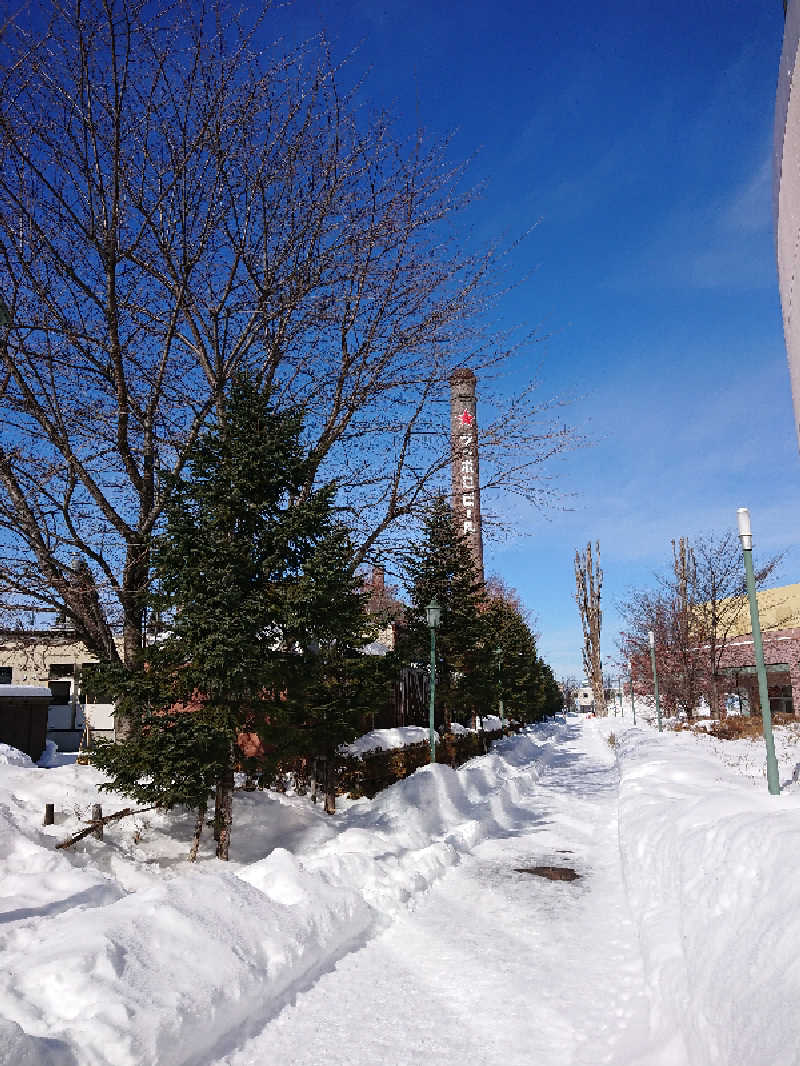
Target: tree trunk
134,588
224,812
198,829
330,787
218,804
719,709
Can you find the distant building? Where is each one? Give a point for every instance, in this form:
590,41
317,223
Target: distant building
584,698
385,609
56,659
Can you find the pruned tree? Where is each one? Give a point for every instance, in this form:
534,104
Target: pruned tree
588,585
181,201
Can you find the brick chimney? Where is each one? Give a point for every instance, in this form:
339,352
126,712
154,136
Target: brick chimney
465,472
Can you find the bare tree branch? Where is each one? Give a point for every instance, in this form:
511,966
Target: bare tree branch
181,201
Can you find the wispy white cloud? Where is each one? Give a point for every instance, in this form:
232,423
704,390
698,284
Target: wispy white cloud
716,245
678,460
749,206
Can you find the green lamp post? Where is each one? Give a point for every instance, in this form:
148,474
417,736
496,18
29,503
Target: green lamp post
652,638
499,653
434,614
633,701
746,537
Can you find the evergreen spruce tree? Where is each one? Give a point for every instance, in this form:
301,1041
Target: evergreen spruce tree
330,684
508,658
440,566
253,586
550,699
507,664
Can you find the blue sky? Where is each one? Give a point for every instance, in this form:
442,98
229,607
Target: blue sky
639,136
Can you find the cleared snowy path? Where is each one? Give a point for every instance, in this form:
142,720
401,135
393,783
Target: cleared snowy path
490,965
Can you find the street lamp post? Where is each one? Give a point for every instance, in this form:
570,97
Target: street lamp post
633,701
652,638
499,653
434,614
746,537
621,704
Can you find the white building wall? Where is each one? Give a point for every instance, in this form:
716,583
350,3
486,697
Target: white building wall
787,196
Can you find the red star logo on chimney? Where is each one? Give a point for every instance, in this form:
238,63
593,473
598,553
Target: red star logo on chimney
466,419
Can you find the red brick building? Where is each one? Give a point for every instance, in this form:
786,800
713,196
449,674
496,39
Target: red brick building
779,615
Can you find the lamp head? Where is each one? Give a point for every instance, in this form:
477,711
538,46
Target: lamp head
434,614
745,533
652,638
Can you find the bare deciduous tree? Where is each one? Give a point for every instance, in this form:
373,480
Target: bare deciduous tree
689,667
692,613
570,686
655,611
180,201
588,585
719,600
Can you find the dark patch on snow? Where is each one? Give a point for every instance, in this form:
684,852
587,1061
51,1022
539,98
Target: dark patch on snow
552,873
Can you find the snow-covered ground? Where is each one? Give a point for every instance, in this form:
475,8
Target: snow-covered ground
407,928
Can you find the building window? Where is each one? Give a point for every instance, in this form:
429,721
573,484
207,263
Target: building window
60,691
61,670
5,675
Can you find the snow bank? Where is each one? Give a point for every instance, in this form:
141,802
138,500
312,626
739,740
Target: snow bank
20,1049
13,756
385,739
119,953
161,975
710,864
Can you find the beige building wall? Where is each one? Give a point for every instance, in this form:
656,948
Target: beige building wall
51,659
778,608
